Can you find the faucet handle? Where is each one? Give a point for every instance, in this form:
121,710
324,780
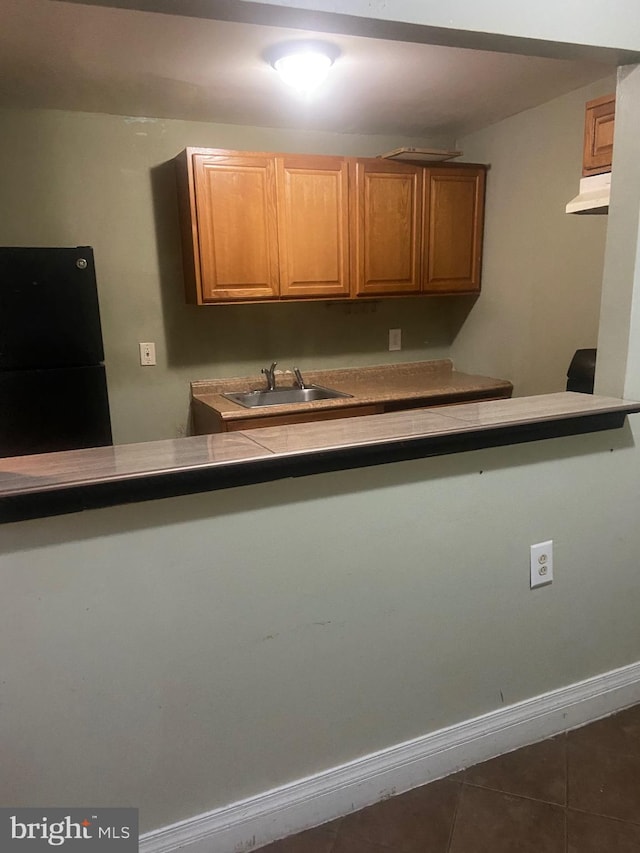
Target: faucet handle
299,380
270,374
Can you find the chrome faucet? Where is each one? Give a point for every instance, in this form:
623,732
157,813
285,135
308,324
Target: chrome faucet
270,375
299,380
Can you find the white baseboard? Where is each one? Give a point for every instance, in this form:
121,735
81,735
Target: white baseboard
254,822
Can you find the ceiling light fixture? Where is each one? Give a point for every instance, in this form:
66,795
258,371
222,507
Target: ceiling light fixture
303,65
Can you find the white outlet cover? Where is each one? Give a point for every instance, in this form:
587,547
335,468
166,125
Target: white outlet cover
541,562
395,340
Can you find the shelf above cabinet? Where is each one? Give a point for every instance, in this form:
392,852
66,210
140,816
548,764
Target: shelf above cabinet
421,155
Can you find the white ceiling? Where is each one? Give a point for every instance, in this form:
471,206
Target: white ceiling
66,56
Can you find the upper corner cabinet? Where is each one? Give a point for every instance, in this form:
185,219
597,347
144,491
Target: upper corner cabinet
453,211
598,135
229,225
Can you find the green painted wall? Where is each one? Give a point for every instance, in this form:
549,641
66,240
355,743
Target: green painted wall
167,655
107,181
542,268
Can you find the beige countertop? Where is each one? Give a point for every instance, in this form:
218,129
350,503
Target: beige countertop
49,484
431,381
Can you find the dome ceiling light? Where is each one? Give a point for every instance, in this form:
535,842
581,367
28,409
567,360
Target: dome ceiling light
303,65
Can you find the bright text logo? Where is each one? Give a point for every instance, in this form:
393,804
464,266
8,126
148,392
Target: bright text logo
97,830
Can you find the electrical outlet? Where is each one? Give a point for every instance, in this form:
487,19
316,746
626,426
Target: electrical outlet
395,340
541,563
147,354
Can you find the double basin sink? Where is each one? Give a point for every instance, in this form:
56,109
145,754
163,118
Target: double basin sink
283,396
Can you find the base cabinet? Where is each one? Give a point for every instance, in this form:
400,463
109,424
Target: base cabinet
206,420
274,227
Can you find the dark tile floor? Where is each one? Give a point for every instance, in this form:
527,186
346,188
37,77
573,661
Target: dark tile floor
575,793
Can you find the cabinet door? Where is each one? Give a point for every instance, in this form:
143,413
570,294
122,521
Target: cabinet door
598,135
454,217
313,226
235,206
387,222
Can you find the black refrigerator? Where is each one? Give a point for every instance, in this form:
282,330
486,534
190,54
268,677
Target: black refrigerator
53,387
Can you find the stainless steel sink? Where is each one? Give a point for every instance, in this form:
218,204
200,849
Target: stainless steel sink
283,396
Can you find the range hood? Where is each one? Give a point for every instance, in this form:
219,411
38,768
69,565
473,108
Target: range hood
593,196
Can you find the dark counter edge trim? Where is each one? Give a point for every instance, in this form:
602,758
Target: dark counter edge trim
76,498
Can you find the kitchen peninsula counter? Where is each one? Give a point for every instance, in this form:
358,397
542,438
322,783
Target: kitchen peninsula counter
55,483
371,390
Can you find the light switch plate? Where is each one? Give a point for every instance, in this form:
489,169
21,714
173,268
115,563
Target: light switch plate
395,340
147,354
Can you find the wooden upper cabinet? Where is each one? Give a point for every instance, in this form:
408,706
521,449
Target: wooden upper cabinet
386,228
262,226
233,226
313,226
598,135
454,215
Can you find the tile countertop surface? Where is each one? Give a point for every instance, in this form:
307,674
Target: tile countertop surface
426,380
54,483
